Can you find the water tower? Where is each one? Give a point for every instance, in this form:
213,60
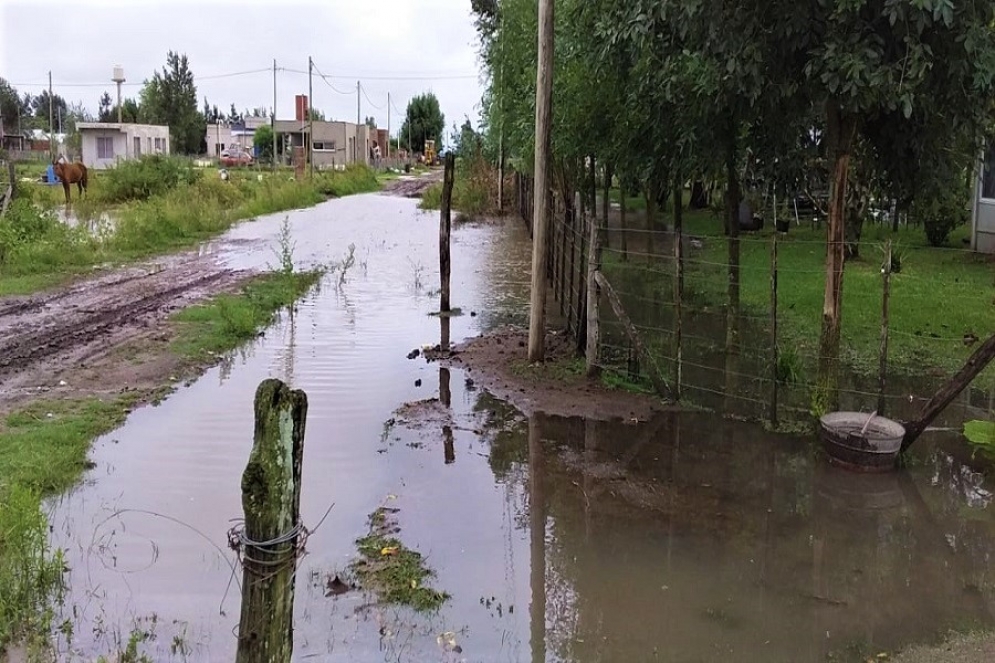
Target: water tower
118,78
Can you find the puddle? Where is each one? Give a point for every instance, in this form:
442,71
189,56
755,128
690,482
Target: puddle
684,538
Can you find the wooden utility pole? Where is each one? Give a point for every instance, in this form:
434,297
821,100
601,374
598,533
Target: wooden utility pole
274,114
271,498
387,151
540,210
310,117
445,230
942,398
358,105
51,119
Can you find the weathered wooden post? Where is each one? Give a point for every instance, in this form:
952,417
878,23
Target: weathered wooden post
678,287
885,294
271,498
774,358
445,230
593,292
621,219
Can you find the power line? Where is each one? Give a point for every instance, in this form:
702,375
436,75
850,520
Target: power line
325,79
380,108
195,78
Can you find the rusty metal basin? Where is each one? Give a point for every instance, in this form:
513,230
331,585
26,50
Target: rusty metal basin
853,442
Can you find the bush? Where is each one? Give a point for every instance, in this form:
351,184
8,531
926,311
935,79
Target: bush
940,212
140,179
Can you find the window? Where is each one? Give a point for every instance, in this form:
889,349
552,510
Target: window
138,146
158,144
988,173
105,147
324,146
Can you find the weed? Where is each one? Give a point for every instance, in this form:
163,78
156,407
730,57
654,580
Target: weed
393,571
418,269
789,368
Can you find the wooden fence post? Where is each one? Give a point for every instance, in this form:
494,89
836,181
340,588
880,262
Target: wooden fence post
883,359
445,230
774,353
271,499
678,287
593,337
621,220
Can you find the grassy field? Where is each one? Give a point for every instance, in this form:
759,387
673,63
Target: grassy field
43,448
147,217
939,296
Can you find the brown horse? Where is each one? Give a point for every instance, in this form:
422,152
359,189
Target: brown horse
70,173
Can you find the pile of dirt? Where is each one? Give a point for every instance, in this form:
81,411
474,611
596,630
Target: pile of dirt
412,186
498,362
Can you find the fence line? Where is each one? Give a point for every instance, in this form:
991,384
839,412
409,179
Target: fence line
673,315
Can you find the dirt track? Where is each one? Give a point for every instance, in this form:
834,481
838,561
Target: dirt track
74,335
413,186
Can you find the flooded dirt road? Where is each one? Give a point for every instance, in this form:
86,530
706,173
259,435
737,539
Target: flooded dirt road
682,537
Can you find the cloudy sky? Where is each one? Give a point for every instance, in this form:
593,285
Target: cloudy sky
403,47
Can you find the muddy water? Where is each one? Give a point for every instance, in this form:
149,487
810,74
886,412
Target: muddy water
685,538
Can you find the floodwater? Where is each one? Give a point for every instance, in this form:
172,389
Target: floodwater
683,538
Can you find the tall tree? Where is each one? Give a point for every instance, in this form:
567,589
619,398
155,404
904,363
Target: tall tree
104,109
370,121
40,110
422,121
10,106
171,98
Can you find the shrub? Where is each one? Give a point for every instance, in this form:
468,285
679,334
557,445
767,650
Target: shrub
942,207
140,179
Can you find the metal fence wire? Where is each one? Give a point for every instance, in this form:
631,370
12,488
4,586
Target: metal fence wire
724,323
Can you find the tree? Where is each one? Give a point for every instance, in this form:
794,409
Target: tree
40,110
262,140
10,106
171,98
77,113
316,115
104,109
422,121
370,122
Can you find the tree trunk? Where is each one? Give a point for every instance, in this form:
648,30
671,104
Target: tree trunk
621,218
699,196
733,198
841,130
605,204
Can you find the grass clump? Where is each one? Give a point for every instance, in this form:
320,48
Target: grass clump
474,189
354,179
42,452
394,572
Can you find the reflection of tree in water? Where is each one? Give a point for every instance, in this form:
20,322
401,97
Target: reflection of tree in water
740,541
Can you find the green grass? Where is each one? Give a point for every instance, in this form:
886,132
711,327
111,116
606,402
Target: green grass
37,250
474,190
43,447
939,296
227,321
394,572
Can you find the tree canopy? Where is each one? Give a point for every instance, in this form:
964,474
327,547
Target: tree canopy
423,121
170,98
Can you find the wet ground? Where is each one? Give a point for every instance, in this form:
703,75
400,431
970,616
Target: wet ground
683,537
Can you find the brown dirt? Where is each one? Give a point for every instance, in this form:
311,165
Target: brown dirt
972,648
105,335
499,363
412,186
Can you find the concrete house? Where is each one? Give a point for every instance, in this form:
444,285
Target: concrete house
335,143
983,212
105,143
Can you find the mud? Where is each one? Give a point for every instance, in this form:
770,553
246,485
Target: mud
498,362
103,335
412,186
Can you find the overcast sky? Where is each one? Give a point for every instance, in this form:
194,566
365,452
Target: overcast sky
404,47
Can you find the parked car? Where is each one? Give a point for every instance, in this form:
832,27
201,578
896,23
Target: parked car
231,158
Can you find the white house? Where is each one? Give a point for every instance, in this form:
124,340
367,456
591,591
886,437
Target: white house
105,143
983,216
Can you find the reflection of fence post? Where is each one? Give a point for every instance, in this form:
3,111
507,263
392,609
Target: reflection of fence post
885,294
773,329
537,542
271,498
445,230
593,265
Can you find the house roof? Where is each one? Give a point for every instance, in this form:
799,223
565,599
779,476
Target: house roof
112,126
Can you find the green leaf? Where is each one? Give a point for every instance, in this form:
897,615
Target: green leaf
980,433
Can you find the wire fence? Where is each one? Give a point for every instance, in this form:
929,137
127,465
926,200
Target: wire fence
733,323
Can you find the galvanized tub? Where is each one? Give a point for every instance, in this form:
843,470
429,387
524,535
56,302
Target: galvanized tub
860,441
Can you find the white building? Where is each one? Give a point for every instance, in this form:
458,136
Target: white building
105,143
983,216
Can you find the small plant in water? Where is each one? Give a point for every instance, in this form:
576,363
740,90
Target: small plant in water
419,269
789,367
287,247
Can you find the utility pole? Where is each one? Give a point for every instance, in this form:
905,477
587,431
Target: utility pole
51,119
310,117
358,112
540,210
273,126
388,125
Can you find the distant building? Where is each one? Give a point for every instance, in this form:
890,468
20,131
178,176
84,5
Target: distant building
335,143
983,212
232,135
106,143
